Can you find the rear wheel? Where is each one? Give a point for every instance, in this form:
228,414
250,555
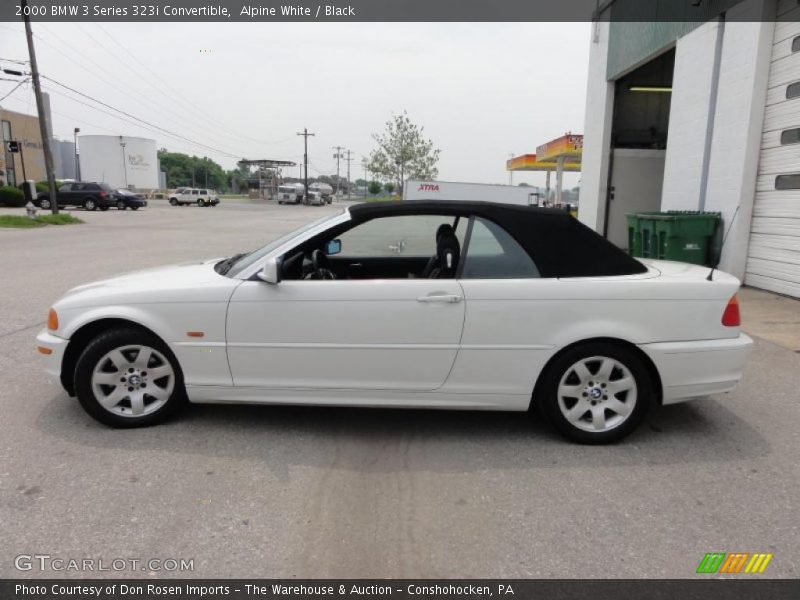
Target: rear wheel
90,204
120,205
596,393
200,202
128,378
44,203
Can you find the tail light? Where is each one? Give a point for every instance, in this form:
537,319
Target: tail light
731,318
103,194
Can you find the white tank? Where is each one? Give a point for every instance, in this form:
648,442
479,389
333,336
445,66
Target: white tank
119,161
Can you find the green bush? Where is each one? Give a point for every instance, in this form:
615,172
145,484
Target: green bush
11,196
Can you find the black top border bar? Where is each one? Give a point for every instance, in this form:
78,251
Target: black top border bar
152,11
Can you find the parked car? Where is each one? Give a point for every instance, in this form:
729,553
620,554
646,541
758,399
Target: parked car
418,304
128,199
88,194
314,198
198,196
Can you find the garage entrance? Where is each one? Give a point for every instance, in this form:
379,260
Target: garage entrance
638,144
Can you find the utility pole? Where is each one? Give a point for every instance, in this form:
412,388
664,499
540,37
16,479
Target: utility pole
37,90
305,135
124,162
349,159
366,177
337,156
510,172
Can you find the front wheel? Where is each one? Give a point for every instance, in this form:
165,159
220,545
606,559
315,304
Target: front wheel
129,378
173,202
596,393
44,204
200,202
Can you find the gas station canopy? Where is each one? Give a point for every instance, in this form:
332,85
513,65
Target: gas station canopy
559,155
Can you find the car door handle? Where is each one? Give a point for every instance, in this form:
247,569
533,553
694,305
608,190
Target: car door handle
443,298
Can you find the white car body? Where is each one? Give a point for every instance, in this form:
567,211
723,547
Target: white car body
375,343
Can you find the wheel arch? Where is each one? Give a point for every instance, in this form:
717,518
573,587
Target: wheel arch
646,360
84,335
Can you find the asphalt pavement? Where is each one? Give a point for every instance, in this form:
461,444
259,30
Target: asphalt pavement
327,492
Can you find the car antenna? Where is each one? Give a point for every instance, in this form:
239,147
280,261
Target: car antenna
722,245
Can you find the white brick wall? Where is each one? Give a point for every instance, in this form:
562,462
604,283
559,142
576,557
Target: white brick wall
691,90
596,132
738,124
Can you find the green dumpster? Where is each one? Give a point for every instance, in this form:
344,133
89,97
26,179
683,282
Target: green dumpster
685,236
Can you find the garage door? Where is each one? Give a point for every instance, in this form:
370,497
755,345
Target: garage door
773,261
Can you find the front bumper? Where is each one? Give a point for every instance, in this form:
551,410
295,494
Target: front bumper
699,368
52,362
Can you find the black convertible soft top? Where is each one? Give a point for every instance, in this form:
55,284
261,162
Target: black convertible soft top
559,244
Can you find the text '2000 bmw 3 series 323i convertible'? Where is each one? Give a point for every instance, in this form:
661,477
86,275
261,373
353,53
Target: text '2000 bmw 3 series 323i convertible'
418,304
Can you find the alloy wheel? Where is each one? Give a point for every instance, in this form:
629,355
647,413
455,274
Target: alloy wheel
597,394
132,381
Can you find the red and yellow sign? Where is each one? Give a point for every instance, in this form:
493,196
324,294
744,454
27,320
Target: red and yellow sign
529,162
569,146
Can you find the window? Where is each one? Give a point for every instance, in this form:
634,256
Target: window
790,136
194,192
796,44
411,235
493,254
204,192
788,182
793,90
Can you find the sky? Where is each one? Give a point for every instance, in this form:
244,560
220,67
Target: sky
480,90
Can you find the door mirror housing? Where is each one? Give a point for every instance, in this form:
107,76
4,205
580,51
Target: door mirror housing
270,272
333,247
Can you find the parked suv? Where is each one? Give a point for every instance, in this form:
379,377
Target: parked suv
88,194
199,196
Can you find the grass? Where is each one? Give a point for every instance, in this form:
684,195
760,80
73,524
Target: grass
19,222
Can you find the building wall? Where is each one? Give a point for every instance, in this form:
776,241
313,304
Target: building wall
24,129
689,112
596,132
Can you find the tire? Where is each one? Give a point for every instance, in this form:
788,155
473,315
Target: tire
134,208
115,355
200,202
120,205
613,392
44,204
90,204
173,202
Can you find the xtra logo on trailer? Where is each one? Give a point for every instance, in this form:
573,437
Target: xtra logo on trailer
428,187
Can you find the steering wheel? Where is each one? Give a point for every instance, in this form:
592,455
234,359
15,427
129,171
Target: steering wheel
319,260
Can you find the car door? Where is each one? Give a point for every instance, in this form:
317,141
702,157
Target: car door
66,194
399,333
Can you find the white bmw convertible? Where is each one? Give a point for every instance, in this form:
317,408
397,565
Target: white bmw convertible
462,305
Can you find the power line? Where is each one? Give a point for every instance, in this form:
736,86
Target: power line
14,89
135,118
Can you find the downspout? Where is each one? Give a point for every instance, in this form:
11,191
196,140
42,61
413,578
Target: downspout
712,110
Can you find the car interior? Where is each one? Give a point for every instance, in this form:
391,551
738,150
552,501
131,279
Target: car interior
410,247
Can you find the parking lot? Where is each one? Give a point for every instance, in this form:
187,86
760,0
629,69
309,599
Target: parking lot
325,492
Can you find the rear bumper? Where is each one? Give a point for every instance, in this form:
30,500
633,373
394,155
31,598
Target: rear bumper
699,368
52,361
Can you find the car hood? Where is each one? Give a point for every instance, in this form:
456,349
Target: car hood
191,281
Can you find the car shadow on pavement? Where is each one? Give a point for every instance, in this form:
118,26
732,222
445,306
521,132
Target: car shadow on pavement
384,440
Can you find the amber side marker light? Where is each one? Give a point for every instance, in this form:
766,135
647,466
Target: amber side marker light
731,317
195,333
52,320
43,350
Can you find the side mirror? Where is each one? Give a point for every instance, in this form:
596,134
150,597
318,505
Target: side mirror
333,247
270,272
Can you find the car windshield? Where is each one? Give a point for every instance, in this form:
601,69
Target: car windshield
253,257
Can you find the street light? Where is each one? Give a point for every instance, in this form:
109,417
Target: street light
75,135
124,162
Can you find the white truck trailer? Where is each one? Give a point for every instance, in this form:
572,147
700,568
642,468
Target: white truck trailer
451,190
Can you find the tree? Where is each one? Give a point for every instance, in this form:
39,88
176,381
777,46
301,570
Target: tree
389,187
185,170
374,187
403,152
